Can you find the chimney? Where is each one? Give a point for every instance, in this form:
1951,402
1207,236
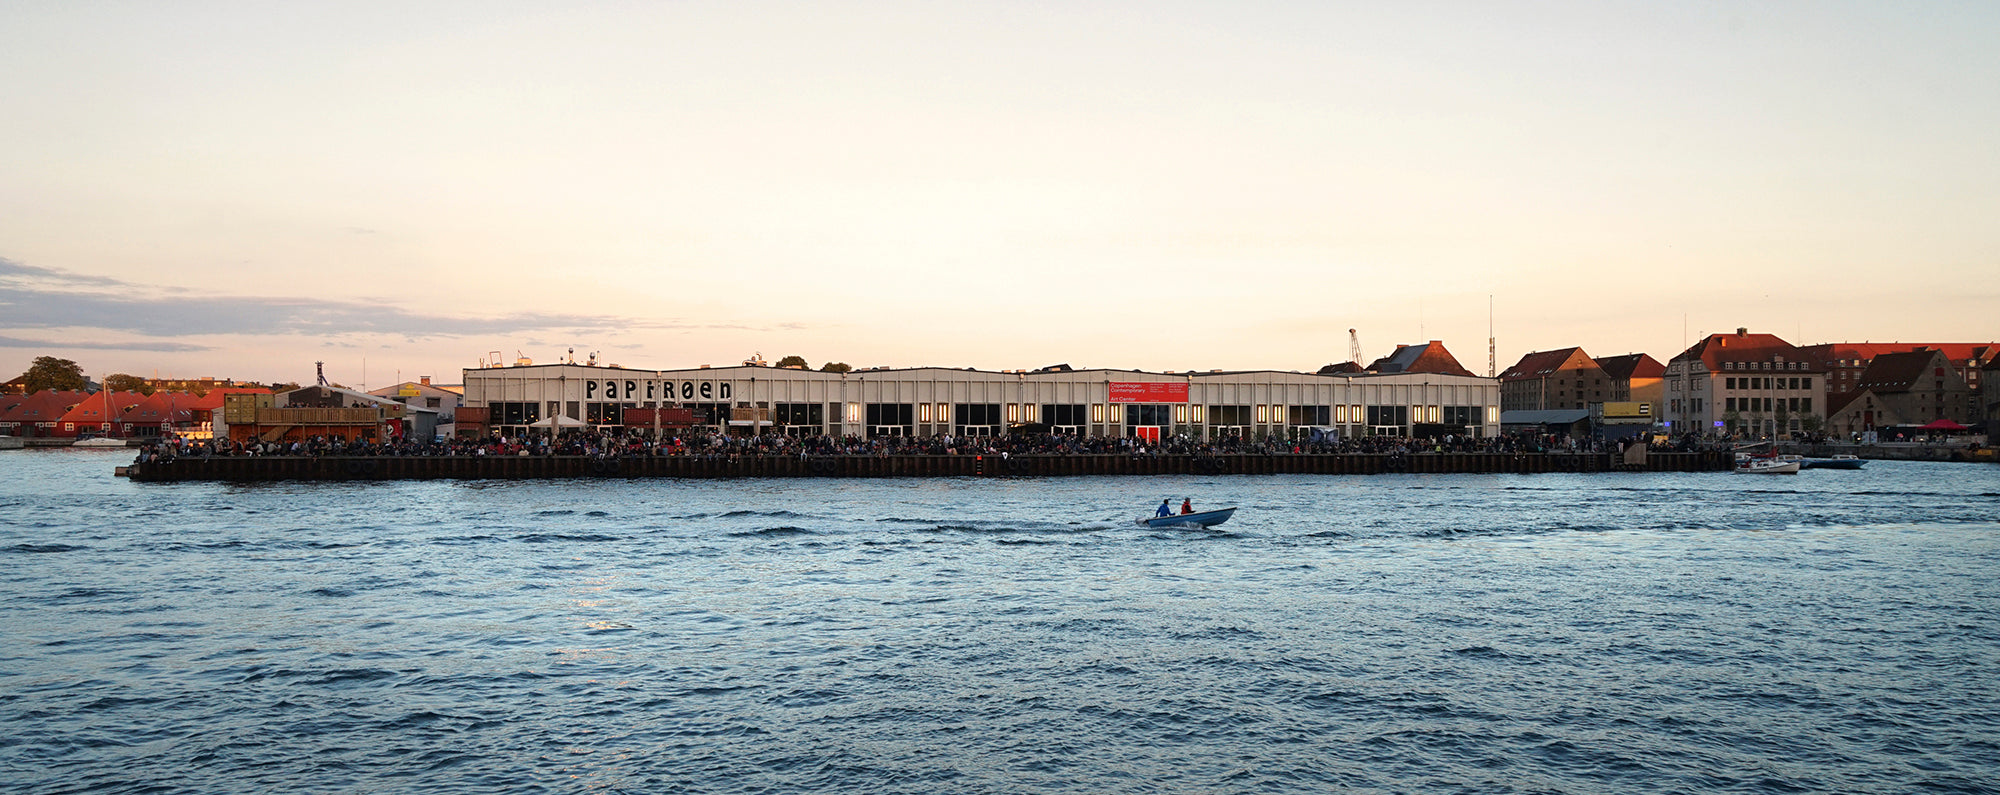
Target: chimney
424,379
1742,332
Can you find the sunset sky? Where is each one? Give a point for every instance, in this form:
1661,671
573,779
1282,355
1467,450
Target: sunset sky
241,189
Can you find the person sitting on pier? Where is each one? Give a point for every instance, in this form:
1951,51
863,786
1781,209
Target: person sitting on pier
1187,507
1164,510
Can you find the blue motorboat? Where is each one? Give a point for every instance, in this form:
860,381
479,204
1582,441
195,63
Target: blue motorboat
1200,519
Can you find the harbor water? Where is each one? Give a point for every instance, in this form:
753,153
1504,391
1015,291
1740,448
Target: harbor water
1829,632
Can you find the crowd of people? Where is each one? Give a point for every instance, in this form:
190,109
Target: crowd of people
707,443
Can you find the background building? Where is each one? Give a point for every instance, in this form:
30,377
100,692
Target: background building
1904,391
1743,383
1562,379
421,393
1634,378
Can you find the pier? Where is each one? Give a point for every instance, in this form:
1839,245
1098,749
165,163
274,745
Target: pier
273,468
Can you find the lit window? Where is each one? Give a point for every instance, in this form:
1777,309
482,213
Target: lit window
1096,412
1180,413
1197,410
1261,408
1013,412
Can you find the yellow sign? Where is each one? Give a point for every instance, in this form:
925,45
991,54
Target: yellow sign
408,390
1628,409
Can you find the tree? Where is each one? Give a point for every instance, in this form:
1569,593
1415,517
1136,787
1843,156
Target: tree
49,372
1811,423
793,361
121,382
836,367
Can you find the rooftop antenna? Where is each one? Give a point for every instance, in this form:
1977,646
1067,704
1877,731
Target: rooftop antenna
1354,347
1492,351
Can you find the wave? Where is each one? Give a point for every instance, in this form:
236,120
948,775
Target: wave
543,538
774,532
41,549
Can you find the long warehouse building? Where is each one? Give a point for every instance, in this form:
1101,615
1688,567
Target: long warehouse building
965,402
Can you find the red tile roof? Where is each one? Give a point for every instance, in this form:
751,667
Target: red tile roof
103,406
45,406
1536,364
163,407
1958,352
1742,347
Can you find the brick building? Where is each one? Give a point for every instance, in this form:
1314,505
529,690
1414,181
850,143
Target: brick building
1906,389
1566,378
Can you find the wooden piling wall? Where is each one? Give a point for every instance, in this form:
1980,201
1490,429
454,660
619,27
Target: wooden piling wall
246,469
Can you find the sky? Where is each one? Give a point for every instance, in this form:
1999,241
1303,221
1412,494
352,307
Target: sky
241,190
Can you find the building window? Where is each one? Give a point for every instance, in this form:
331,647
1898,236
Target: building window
985,414
1061,414
1229,415
890,413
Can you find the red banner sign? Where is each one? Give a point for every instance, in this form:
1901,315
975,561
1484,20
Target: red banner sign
1149,392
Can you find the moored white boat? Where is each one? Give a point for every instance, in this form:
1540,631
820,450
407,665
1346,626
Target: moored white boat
1767,466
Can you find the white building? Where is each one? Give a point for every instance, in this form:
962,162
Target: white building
936,400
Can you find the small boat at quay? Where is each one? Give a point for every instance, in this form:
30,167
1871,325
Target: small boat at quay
1764,465
1842,461
1199,519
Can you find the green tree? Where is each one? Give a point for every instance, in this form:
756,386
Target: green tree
792,361
1811,423
49,372
121,382
836,367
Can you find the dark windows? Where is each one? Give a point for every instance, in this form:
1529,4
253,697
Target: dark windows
891,413
1465,415
1388,415
963,414
1064,414
515,413
1229,415
1310,415
801,414
1138,414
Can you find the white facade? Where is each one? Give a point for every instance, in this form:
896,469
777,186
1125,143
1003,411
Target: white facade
933,400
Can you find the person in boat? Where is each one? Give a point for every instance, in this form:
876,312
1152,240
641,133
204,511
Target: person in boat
1187,506
1165,509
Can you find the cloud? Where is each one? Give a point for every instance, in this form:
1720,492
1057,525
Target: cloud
34,297
161,347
